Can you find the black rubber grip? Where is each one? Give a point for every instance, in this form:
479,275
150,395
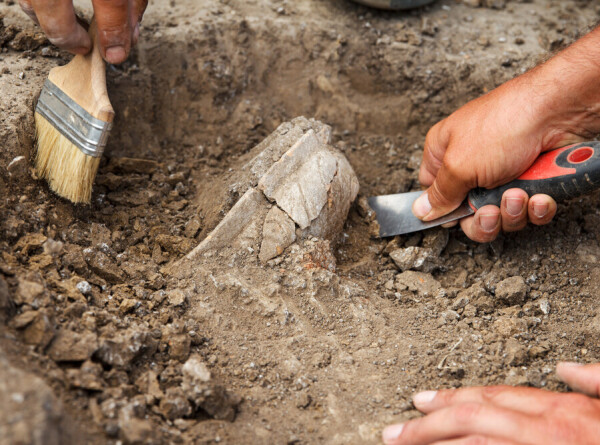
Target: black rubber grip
562,173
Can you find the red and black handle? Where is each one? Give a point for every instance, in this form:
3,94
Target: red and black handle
562,173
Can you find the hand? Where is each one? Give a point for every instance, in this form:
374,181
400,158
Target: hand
118,25
495,138
504,415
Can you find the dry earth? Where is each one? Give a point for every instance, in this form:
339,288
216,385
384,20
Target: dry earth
108,335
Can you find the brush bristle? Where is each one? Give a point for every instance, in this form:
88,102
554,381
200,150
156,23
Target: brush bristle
69,172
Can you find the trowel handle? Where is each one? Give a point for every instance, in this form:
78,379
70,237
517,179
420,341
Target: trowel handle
562,173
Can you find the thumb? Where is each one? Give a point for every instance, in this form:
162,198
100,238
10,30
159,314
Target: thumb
447,192
582,379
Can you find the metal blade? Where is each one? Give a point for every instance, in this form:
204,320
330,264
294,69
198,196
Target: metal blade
395,216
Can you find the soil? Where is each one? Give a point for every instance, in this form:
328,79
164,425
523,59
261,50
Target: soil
95,300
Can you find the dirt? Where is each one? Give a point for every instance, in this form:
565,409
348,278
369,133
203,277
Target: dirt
328,342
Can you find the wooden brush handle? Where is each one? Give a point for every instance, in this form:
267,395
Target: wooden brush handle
84,80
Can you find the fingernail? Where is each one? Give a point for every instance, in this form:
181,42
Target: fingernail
422,206
489,222
423,398
514,206
115,54
540,210
571,364
392,433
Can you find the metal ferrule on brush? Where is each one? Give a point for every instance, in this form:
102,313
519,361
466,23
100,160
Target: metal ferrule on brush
72,121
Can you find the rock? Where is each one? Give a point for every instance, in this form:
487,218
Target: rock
516,354
125,347
84,287
540,350
175,404
88,377
69,346
179,347
29,412
136,431
40,331
28,292
197,384
340,196
436,239
479,298
544,306
311,185
508,326
279,232
250,210
512,290
422,283
298,182
176,297
175,244
192,227
53,247
148,385
415,258
103,266
588,252
280,141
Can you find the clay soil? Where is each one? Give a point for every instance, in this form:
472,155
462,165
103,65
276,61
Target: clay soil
324,358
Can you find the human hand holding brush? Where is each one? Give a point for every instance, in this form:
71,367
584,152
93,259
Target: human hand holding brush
118,25
73,119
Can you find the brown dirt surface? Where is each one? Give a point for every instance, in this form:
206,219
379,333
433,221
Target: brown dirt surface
139,347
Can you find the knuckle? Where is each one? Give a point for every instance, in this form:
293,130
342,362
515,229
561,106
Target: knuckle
467,413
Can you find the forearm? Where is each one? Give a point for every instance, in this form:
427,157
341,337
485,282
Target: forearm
569,86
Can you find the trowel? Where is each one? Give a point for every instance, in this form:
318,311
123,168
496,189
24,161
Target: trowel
563,173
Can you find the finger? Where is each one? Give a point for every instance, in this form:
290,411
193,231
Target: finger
115,29
139,7
583,379
541,209
447,192
477,440
436,143
450,224
513,210
467,419
27,8
137,13
57,19
527,400
484,226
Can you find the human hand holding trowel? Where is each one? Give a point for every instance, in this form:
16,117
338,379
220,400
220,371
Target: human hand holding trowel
494,140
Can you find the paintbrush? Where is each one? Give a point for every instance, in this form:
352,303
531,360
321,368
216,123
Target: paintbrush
73,119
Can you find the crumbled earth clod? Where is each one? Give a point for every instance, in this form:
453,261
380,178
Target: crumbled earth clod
512,290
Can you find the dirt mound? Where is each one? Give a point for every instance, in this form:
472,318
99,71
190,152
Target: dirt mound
325,343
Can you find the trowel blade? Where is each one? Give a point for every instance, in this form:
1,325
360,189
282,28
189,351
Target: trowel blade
395,217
